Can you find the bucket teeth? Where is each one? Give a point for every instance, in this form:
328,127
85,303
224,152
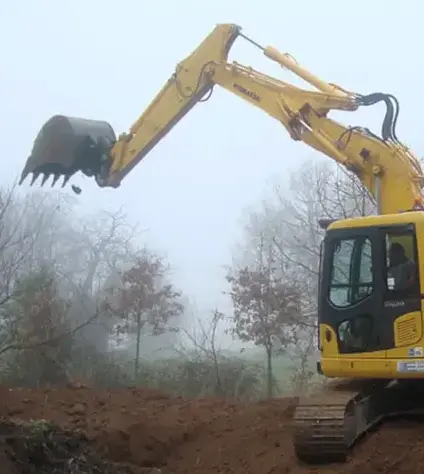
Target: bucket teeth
34,178
23,177
45,176
65,180
55,179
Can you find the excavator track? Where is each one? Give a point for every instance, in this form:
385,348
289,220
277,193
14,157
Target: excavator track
328,425
320,434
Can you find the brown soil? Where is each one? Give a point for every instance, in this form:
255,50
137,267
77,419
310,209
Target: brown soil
142,431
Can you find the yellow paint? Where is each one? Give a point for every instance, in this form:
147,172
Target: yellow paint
304,113
378,364
408,331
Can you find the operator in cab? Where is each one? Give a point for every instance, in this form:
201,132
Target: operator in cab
402,270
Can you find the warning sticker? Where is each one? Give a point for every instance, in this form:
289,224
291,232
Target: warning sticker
410,366
415,352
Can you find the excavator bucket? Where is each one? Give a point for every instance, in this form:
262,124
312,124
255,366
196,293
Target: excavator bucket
66,145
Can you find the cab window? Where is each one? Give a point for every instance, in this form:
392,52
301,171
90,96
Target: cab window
401,263
351,278
354,334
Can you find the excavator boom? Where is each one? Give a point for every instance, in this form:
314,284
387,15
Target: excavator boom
67,145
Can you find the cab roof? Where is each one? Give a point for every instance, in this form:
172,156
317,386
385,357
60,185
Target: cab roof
381,220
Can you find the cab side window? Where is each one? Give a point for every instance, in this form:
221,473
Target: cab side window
351,272
402,276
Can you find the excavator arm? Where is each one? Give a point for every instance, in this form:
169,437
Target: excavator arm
386,167
189,84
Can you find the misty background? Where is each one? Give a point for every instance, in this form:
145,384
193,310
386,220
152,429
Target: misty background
190,196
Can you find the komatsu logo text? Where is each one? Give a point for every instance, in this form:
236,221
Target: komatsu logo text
244,91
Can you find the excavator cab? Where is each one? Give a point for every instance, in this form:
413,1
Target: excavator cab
66,145
371,332
370,311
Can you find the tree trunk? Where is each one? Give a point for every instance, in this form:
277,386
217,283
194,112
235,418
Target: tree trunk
218,384
269,372
137,348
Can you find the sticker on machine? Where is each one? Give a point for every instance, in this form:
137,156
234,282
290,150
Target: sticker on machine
410,366
416,352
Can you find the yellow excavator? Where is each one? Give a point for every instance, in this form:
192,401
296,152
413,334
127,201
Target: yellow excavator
371,287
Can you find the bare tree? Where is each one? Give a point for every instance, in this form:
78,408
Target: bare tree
84,254
205,368
41,339
204,345
290,220
41,230
302,369
26,225
146,299
16,242
97,247
287,226
266,303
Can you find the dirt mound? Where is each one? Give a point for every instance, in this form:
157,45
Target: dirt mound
39,447
149,432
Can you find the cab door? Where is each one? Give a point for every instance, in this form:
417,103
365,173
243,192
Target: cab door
402,293
351,300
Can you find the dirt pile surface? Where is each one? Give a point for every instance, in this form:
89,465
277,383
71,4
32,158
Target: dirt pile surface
143,431
39,447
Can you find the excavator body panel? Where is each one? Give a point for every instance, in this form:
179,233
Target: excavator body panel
370,308
66,145
371,337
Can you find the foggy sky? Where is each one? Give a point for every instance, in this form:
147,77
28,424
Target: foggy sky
106,60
